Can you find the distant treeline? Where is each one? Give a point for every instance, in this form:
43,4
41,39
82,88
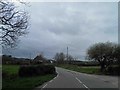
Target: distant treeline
8,59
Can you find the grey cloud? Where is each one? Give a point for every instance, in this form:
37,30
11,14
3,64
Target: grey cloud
54,26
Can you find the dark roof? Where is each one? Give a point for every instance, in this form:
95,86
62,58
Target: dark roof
39,57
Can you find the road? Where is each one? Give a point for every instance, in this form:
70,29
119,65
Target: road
71,79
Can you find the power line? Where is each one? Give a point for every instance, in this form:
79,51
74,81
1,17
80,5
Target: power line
67,53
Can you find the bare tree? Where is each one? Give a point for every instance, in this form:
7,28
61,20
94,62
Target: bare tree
60,57
13,24
70,59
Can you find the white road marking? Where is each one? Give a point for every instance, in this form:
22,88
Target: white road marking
44,86
54,77
82,83
57,73
51,80
78,80
85,86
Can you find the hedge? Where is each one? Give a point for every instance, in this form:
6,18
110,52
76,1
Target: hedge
113,70
35,70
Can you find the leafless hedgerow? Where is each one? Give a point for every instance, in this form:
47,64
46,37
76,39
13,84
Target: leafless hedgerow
13,24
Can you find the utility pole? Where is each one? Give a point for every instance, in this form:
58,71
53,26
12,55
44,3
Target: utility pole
67,53
30,55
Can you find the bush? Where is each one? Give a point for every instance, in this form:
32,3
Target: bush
113,70
35,70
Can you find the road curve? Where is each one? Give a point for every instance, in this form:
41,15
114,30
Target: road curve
71,79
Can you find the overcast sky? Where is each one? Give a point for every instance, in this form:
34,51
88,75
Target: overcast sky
54,26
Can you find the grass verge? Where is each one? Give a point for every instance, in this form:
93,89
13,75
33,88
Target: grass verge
13,82
82,69
25,83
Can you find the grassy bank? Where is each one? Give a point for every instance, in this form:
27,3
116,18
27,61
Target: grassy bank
10,69
82,69
14,81
25,83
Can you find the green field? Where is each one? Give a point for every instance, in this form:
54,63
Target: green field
10,69
0,67
14,81
82,69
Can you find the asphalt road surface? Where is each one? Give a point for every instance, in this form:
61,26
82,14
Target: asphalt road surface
71,79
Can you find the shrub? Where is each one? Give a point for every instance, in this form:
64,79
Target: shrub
34,70
113,70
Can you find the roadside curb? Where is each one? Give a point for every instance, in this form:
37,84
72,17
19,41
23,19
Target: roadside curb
41,87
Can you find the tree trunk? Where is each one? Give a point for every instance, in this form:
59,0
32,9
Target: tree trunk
102,66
